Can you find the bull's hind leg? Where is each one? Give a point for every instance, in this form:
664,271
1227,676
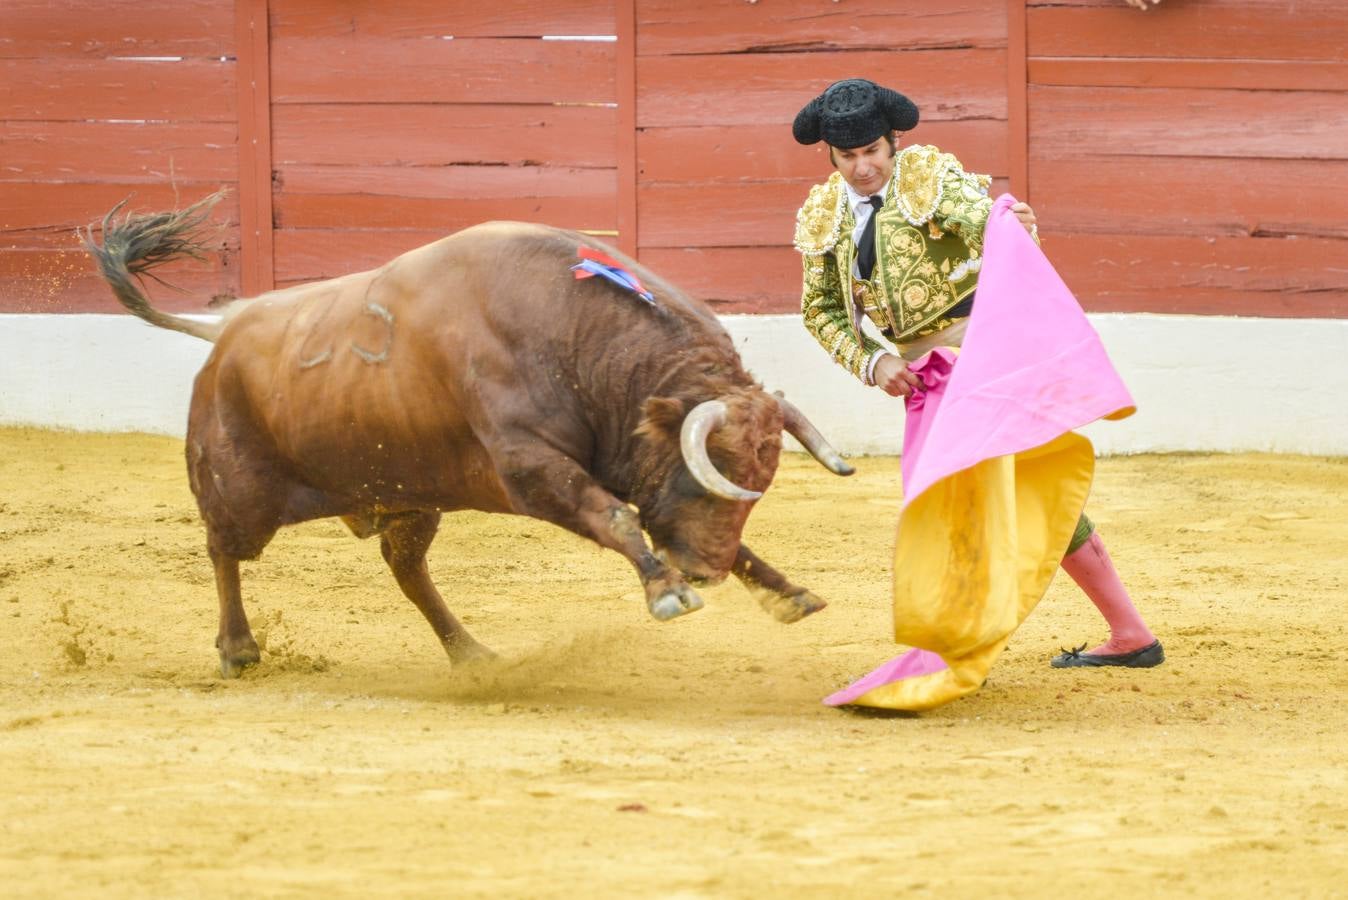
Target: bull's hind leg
404,543
242,502
235,641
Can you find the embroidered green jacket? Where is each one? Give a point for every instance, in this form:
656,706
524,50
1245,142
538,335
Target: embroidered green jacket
929,246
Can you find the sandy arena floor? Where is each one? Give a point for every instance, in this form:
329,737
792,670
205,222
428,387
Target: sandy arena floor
610,755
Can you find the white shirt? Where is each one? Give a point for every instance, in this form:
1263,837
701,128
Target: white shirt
862,212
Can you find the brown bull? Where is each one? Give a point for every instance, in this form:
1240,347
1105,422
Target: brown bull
472,373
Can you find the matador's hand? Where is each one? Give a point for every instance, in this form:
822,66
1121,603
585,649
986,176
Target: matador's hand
892,375
1025,214
1141,4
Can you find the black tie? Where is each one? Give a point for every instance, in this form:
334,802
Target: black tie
866,246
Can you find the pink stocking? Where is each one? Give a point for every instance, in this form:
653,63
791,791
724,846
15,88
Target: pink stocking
1093,571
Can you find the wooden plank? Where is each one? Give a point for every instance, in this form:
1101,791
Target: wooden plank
67,281
446,198
41,29
733,279
314,254
1017,113
1246,74
1218,29
255,159
770,88
587,212
733,153
190,90
121,152
681,27
1212,197
626,77
755,214
468,182
470,70
1072,121
46,215
435,18
441,135
1202,275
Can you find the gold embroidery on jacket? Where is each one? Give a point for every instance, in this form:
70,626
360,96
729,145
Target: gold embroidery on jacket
819,221
921,182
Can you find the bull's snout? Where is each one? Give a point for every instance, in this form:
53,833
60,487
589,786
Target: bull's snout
695,572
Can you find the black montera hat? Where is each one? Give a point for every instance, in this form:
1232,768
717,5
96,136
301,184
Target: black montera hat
852,113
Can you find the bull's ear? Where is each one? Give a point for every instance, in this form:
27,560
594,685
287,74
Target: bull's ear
662,416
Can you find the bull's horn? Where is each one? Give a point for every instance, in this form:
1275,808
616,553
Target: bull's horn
697,426
800,428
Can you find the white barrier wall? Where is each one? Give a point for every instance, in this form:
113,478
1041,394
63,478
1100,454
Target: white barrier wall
1201,382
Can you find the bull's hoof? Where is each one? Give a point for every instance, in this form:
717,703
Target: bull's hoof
470,653
788,608
675,601
234,661
233,664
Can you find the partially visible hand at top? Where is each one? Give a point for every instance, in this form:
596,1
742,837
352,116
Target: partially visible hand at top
1142,4
1025,214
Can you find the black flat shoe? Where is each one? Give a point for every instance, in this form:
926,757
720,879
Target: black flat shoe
1145,658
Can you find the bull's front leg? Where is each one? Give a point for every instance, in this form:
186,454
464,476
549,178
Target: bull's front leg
783,600
668,596
557,490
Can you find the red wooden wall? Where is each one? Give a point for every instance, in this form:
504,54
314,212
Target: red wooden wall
1193,158
395,124
99,101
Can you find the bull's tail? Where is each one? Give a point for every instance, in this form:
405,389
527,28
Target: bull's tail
140,242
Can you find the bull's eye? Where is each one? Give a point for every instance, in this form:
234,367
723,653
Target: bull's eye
685,485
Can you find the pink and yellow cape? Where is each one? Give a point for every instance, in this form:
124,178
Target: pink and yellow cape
994,479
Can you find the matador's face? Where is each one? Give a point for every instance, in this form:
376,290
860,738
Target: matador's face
867,169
